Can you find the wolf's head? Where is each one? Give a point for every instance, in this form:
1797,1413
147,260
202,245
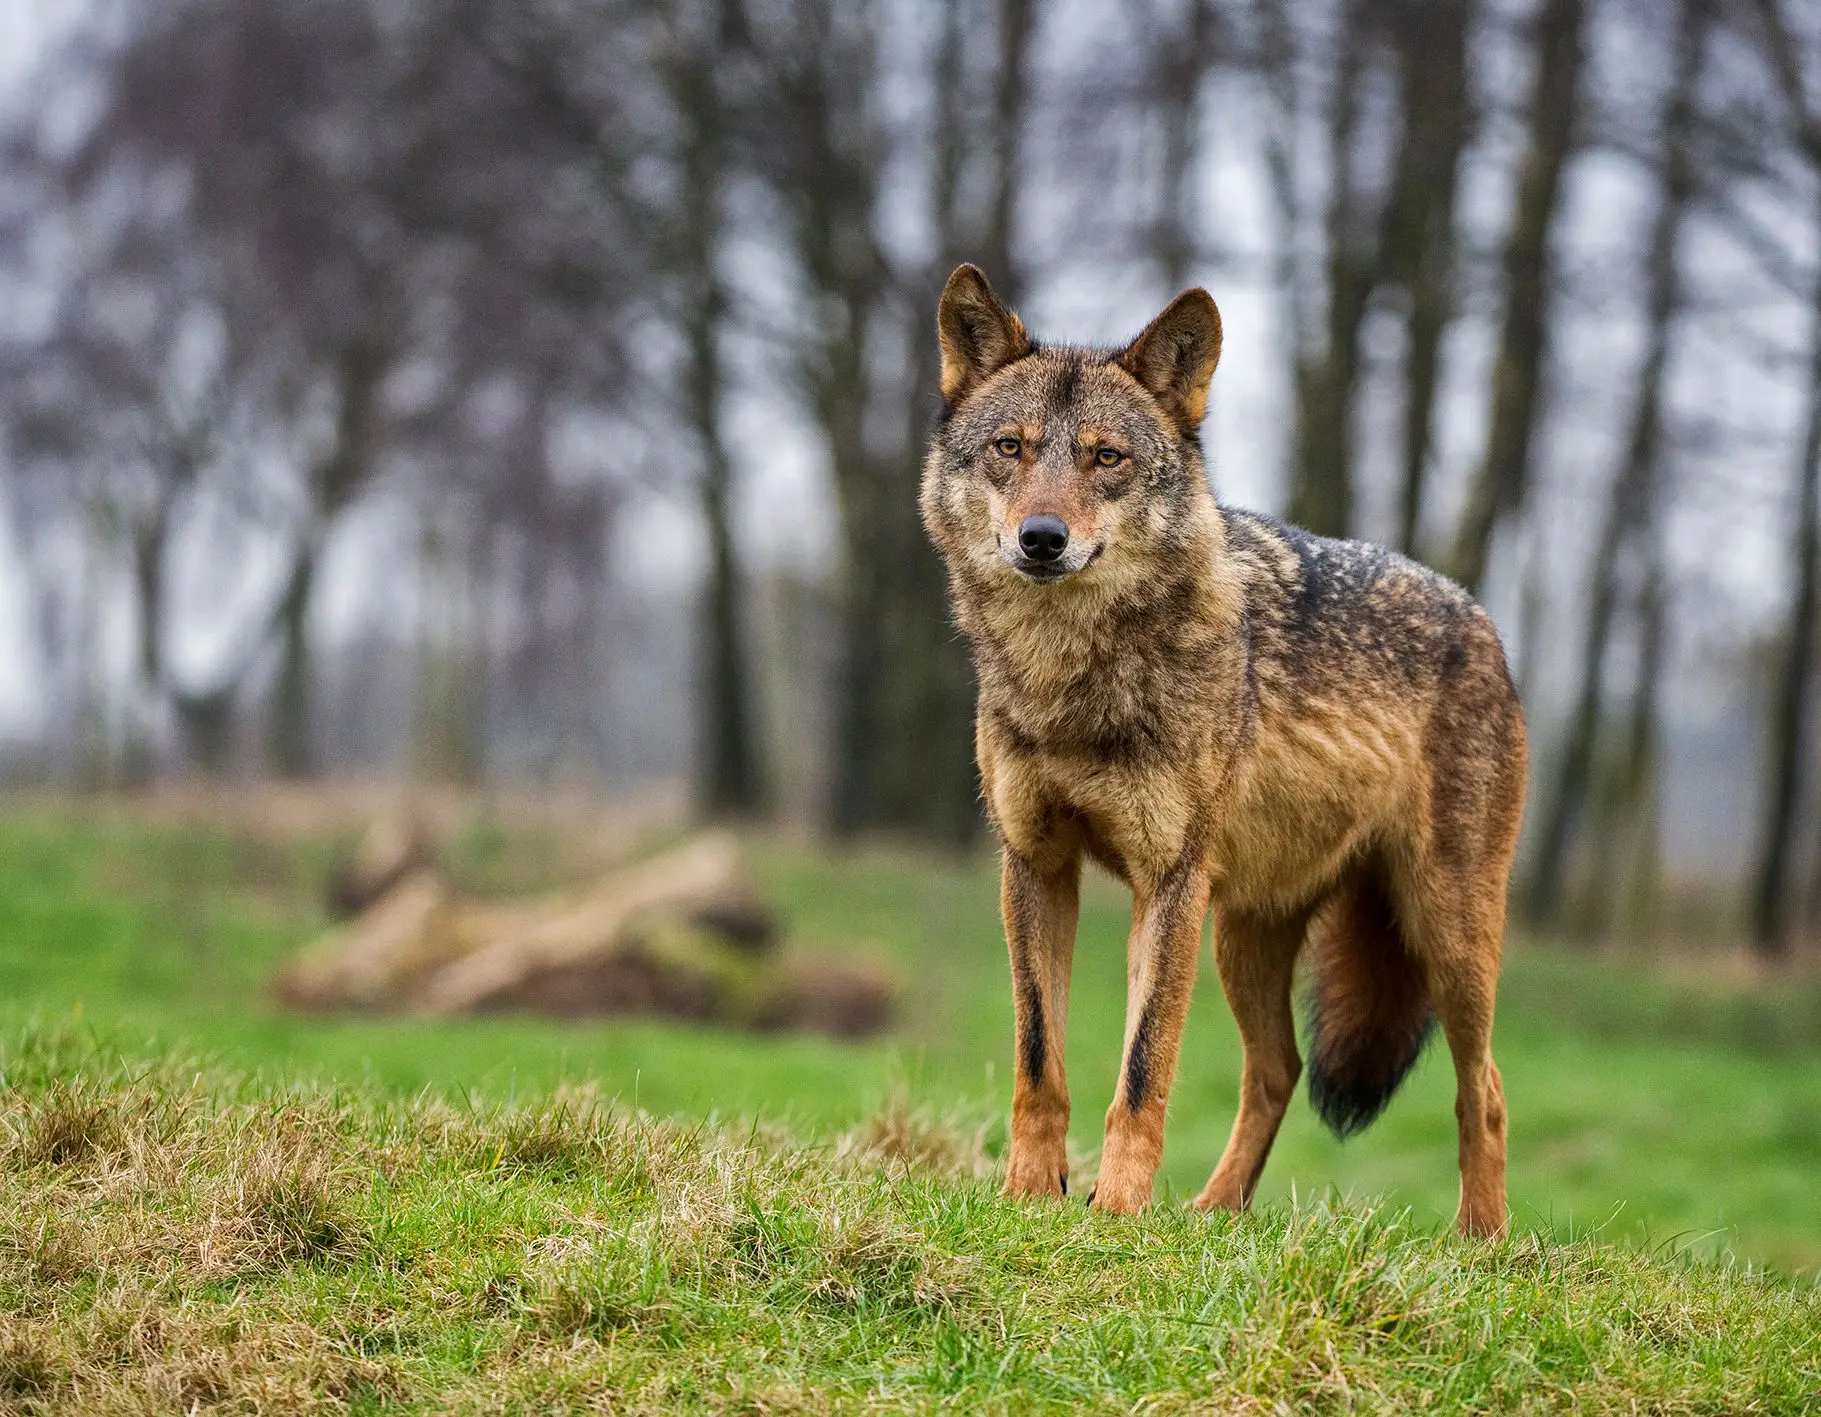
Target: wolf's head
1066,464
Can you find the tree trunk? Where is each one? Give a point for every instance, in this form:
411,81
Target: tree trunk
205,724
1277,64
860,746
928,784
1788,748
1773,906
732,781
290,744
1011,100
146,550
1501,482
1182,66
1321,475
903,757
1640,793
1631,505
90,758
1812,910
1420,242
1625,836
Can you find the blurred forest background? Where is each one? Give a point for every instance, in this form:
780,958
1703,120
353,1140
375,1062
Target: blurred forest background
533,391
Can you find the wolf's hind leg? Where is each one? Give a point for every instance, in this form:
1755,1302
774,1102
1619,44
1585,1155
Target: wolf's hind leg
1257,959
1463,985
1450,881
1455,921
1040,908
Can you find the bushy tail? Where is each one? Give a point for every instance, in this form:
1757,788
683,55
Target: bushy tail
1369,1011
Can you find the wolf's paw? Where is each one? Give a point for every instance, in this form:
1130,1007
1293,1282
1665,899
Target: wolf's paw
1486,1222
1120,1195
1220,1197
1034,1179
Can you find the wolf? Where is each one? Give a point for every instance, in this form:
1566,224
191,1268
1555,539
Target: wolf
1316,741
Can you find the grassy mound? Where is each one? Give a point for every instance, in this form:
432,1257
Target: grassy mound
1648,1101
176,1239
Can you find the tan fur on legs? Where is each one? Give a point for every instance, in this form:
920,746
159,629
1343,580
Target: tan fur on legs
1160,976
1464,1003
1450,884
1257,961
1453,917
1040,909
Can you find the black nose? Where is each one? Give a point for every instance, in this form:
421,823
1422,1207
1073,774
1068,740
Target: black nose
1043,538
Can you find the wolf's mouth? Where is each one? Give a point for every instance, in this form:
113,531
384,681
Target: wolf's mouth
1047,572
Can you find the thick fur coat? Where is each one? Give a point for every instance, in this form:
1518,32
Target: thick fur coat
1316,740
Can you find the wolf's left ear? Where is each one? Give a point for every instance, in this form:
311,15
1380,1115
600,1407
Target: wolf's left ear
978,335
1175,357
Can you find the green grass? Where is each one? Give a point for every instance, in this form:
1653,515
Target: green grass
382,1212
174,1239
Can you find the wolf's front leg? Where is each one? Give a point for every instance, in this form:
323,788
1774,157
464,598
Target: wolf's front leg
1160,973
1040,908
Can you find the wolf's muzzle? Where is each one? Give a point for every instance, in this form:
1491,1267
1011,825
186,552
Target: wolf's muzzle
1074,558
1043,537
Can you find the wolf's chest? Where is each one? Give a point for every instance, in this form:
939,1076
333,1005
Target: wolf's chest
1121,767
1079,696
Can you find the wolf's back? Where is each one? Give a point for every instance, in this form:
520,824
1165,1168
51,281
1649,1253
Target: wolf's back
1347,615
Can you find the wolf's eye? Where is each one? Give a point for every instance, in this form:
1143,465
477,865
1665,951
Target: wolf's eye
1009,447
1109,457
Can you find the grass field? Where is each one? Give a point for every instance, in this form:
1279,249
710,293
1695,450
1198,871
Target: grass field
207,1200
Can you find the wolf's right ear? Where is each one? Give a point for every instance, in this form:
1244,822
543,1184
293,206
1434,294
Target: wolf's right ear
1175,357
978,335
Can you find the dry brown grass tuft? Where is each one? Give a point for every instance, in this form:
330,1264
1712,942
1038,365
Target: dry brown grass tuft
146,1359
143,1187
594,1287
37,1361
572,1133
39,1250
269,1368
282,1201
69,1124
902,1137
873,1263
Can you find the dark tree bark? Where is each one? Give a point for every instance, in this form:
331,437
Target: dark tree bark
1501,481
902,751
1631,505
1321,472
1812,909
1017,24
1401,238
288,733
826,164
1621,885
1183,64
1789,756
1419,241
1773,886
931,787
335,482
732,780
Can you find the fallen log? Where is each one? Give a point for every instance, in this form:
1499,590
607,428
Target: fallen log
379,957
681,935
393,847
692,877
